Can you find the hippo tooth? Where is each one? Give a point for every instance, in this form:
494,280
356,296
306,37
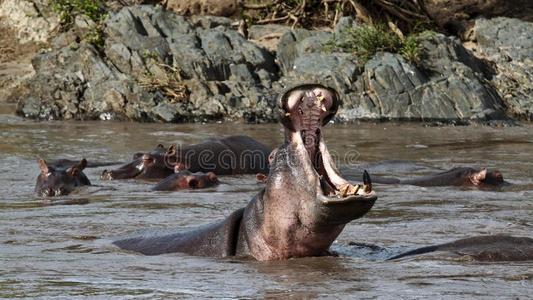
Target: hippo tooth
355,189
344,190
367,188
320,98
287,114
366,178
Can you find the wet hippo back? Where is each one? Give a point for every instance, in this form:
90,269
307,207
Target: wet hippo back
214,240
483,248
462,176
222,156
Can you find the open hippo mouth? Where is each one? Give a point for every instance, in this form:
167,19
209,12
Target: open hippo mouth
303,111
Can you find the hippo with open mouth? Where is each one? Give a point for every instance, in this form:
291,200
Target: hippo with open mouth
303,207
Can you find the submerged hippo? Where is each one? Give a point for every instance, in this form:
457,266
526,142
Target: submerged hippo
184,179
222,156
303,207
483,248
462,176
228,155
151,165
60,179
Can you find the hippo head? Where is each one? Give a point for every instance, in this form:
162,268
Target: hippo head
488,178
184,179
306,202
60,180
151,165
304,109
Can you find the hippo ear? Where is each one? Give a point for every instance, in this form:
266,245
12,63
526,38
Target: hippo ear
261,178
82,164
170,157
72,171
160,146
212,177
43,165
478,177
171,150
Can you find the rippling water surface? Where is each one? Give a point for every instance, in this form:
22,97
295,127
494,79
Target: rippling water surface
65,251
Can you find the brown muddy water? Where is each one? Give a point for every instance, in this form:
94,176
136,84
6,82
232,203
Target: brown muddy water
65,251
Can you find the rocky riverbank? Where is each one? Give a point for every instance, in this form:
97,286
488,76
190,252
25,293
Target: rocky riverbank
154,65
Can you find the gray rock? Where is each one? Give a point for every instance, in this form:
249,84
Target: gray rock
143,44
508,44
149,52
449,89
450,85
289,46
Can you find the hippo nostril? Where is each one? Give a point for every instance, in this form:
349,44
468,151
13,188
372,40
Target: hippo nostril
106,175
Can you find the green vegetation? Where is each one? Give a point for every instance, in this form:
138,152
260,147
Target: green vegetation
365,41
69,9
95,36
93,9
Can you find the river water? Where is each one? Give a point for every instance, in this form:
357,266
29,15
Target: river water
65,251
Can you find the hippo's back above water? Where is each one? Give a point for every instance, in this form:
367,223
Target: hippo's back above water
483,248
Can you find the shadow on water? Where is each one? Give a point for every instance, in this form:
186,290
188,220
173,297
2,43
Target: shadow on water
65,250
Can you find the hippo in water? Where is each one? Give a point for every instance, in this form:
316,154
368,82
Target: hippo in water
184,179
151,165
222,156
303,207
60,179
483,248
461,176
228,155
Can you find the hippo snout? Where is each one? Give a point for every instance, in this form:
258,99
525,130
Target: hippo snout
106,175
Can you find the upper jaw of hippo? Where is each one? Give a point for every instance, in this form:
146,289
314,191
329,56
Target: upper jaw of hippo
304,109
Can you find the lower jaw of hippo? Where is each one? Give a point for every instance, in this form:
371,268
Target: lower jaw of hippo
336,190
